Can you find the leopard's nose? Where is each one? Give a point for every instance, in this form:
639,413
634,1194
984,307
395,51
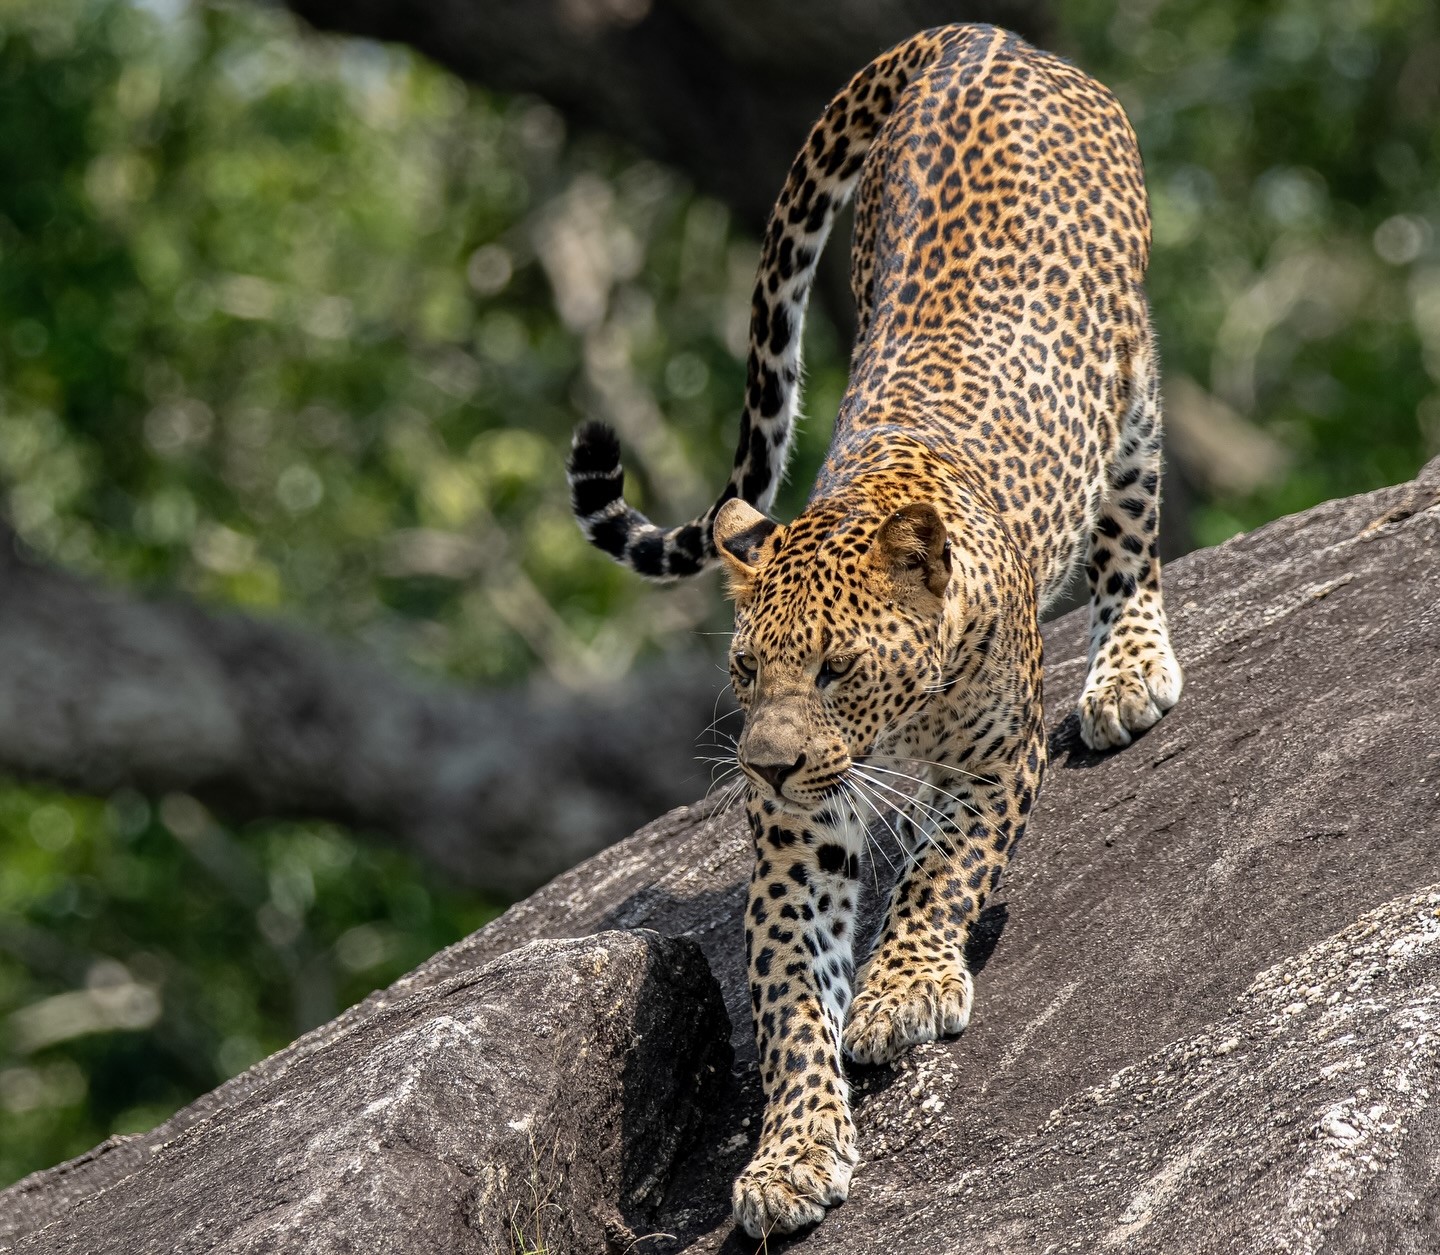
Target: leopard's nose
775,774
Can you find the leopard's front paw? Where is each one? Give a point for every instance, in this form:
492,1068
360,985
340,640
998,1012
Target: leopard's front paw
1128,696
792,1183
888,1018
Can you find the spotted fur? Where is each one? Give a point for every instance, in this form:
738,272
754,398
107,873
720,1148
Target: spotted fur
1002,422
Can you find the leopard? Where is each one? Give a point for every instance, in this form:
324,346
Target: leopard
1001,427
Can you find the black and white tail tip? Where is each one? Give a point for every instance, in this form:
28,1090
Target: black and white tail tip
597,483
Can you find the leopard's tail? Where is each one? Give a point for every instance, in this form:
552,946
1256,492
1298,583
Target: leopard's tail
821,181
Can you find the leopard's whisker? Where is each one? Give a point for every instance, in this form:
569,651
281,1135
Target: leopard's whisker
716,762
940,817
871,798
873,843
910,857
717,720
727,795
925,784
871,840
723,778
939,814
847,792
929,762
727,746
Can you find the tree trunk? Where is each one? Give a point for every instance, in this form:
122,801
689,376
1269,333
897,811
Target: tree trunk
722,90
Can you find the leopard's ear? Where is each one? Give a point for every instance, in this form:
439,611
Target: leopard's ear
740,534
913,547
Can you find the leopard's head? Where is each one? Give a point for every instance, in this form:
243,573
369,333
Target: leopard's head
838,625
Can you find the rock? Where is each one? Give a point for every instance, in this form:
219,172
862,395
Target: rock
1206,993
1258,1134
537,1100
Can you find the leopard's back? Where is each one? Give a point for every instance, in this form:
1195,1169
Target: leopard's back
1001,240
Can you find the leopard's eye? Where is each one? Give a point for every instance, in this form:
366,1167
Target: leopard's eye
833,669
744,668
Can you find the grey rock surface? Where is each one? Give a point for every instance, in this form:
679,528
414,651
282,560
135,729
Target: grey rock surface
536,1102
1206,993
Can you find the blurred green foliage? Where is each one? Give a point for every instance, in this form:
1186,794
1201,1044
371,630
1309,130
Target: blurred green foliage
276,313
1292,149
301,326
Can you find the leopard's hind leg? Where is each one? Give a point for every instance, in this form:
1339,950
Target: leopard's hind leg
1134,677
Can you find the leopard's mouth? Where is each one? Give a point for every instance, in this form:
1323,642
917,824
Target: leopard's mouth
820,795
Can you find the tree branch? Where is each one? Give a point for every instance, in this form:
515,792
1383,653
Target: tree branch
724,90
98,691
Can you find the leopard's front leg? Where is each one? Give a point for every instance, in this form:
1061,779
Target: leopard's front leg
798,933
915,986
